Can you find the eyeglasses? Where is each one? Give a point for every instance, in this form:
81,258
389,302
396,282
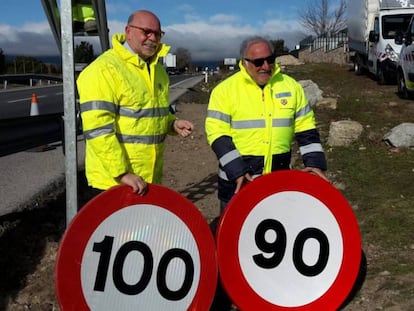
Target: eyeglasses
260,61
147,32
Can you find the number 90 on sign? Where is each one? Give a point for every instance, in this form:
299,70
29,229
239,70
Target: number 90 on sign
297,244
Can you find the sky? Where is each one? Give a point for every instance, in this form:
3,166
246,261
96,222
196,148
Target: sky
208,29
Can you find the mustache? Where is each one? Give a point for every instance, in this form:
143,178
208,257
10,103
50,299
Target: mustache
150,43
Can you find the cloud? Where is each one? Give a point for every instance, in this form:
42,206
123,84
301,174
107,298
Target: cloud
215,39
28,40
224,19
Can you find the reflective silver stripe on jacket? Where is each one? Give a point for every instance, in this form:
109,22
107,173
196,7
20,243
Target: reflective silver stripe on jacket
141,139
98,105
315,147
248,124
214,114
304,111
132,139
103,130
282,122
123,111
229,156
222,174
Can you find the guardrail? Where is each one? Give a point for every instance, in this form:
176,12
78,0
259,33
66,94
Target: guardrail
27,79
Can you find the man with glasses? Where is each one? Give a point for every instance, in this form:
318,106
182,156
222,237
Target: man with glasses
124,103
252,118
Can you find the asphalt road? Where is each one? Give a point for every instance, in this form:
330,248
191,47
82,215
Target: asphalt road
29,177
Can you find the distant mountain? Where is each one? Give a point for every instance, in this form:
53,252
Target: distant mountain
46,59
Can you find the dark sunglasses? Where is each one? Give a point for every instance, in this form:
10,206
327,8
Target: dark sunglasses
258,62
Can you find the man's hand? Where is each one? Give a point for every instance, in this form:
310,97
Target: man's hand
241,181
139,186
183,127
316,171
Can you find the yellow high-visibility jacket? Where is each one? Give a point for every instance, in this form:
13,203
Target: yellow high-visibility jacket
251,129
125,115
83,12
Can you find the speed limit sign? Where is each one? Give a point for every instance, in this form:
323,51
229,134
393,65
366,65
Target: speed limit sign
288,241
123,251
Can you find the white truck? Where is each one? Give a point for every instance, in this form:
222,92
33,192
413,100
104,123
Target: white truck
405,70
372,26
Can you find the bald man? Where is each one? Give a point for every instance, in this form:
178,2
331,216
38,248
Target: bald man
124,103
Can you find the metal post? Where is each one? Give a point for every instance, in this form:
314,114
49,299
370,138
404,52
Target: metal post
71,162
50,8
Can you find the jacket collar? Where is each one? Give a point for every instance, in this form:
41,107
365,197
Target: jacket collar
118,41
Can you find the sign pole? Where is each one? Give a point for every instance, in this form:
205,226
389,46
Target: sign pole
71,162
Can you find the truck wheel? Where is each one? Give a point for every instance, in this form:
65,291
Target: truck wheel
381,77
358,69
402,87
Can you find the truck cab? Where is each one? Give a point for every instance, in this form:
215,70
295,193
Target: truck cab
372,27
405,70
383,53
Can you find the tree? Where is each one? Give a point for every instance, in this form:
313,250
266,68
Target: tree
2,62
321,19
26,64
84,53
279,47
183,58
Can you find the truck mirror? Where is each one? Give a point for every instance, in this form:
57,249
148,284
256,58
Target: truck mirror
407,39
373,36
399,38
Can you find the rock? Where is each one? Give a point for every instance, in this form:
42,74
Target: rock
344,132
286,60
401,136
312,91
327,103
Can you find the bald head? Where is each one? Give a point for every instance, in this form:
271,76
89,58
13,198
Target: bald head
143,33
144,15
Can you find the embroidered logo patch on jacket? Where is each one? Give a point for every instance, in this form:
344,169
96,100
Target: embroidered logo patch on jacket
283,96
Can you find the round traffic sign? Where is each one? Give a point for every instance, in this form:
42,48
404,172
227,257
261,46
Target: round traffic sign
123,251
288,241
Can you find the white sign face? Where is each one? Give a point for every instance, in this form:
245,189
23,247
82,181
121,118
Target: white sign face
230,61
170,60
292,237
140,258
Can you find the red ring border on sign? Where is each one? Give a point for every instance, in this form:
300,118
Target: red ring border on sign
232,219
69,258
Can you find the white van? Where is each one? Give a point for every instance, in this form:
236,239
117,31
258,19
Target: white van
405,68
